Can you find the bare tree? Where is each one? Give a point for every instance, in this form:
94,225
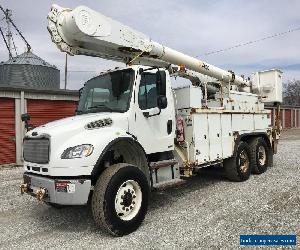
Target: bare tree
291,93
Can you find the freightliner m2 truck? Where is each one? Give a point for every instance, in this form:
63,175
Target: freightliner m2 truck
132,131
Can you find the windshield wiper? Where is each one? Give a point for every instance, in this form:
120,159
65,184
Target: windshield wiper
101,106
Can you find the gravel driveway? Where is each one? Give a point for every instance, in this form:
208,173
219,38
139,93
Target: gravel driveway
206,212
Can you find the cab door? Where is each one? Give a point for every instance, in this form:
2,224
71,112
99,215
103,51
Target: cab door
153,127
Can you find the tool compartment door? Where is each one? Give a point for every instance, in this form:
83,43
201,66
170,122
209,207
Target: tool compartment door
215,141
227,137
201,138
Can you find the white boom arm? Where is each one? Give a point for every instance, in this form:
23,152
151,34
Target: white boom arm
86,32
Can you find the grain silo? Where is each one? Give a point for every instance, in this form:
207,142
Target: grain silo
29,70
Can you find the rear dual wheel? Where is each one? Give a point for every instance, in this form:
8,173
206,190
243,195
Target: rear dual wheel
238,167
261,155
253,157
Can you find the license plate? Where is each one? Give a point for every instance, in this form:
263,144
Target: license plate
64,187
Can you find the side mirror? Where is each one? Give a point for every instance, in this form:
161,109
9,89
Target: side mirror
25,117
162,102
161,82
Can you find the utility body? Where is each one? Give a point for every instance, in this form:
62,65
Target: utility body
133,131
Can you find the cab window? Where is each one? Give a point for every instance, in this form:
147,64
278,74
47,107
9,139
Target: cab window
152,85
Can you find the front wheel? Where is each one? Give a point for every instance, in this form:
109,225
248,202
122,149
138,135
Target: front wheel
120,199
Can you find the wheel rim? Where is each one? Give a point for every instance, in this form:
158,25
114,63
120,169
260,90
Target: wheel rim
261,155
128,200
244,162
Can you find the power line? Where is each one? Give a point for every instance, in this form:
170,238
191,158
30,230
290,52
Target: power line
251,42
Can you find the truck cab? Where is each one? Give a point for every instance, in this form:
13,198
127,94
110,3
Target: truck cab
135,103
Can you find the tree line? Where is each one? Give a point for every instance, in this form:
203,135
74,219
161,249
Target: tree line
291,93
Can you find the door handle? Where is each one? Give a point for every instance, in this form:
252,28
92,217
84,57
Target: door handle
169,126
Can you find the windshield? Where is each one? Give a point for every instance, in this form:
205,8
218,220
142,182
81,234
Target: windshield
110,92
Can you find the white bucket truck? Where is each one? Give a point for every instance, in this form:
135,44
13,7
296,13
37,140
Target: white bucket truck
132,131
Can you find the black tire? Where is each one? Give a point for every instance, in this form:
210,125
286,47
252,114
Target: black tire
236,167
261,160
105,192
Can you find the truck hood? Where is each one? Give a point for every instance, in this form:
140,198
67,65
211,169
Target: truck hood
78,122
73,131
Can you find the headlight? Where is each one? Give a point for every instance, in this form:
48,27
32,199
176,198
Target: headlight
77,151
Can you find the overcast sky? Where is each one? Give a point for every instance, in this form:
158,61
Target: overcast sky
193,27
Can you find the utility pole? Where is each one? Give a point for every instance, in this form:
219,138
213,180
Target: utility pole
66,71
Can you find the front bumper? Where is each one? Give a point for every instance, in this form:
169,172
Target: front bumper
62,191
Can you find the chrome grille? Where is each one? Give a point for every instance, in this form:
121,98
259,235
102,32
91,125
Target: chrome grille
36,150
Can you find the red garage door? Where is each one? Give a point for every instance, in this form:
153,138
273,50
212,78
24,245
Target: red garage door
44,111
287,118
7,131
293,118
